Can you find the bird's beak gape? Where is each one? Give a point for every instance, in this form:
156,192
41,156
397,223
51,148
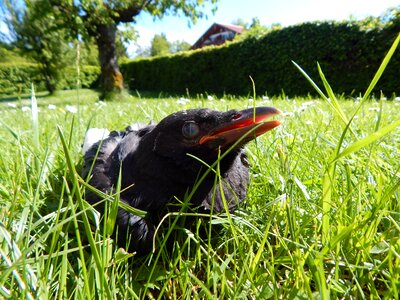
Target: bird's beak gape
249,121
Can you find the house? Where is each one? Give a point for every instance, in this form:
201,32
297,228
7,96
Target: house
217,34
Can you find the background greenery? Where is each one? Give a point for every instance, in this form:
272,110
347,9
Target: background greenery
16,78
44,30
348,52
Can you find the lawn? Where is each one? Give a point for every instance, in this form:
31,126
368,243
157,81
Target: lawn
322,216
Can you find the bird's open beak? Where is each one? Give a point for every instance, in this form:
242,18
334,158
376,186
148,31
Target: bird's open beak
243,122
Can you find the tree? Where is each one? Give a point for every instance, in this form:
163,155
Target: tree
179,46
142,51
99,20
256,30
33,35
160,45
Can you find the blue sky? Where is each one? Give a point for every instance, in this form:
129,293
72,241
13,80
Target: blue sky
285,12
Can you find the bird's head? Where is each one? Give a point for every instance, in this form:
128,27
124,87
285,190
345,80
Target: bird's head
202,132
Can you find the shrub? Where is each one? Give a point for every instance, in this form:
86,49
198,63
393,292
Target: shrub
348,53
17,78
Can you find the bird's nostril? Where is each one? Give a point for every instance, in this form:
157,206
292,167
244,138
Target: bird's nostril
237,116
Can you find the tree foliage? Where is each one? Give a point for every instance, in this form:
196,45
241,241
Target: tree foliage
34,36
160,45
179,46
254,29
98,20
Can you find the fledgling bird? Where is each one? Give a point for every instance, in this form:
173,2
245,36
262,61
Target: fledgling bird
161,163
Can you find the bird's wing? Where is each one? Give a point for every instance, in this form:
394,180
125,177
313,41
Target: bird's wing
97,162
101,167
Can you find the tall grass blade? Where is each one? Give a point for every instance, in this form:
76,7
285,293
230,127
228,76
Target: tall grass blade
113,207
35,118
14,253
334,105
332,96
315,86
11,131
317,269
367,140
378,75
382,67
328,180
128,208
254,98
104,285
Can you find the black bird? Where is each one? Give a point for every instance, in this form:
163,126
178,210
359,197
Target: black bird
161,163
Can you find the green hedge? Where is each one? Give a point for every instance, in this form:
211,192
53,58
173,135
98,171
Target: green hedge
17,78
348,54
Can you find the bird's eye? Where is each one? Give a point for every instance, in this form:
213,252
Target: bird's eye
190,130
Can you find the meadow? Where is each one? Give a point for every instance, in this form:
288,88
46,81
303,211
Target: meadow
321,219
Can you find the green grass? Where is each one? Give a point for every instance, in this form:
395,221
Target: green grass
321,220
276,246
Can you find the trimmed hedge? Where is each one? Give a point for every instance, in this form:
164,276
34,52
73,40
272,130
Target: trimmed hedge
17,78
348,54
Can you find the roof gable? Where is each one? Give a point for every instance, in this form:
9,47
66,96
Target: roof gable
217,34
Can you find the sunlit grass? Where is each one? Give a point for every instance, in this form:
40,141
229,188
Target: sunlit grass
272,247
322,216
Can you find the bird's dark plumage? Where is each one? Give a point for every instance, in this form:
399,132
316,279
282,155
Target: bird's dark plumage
158,165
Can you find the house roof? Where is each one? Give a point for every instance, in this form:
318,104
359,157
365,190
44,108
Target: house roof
235,28
213,28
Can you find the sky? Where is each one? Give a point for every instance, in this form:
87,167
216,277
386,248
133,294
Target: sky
285,12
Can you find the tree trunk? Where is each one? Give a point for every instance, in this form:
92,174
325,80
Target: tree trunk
50,87
49,78
112,79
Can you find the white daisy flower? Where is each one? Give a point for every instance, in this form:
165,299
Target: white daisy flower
71,108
